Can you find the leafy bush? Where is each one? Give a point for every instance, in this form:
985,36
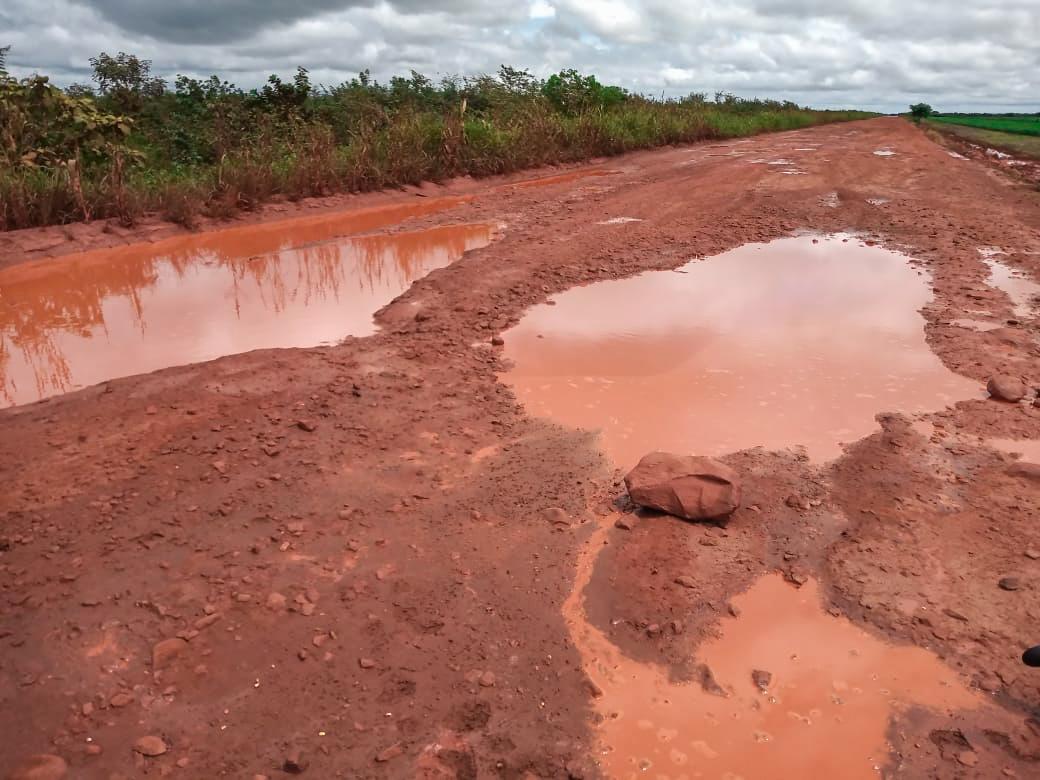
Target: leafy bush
921,111
208,147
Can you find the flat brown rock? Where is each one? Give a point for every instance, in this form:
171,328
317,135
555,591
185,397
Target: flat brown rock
686,486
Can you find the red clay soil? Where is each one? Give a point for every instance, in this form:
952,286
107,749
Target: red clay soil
340,561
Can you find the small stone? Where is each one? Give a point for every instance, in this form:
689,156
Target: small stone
43,766
497,341
319,639
390,753
796,578
366,663
276,602
207,620
797,502
761,679
624,523
150,746
1005,387
557,517
243,598
1010,583
307,425
486,680
120,699
183,762
295,763
165,651
968,758
686,581
93,749
594,689
955,614
220,466
1032,554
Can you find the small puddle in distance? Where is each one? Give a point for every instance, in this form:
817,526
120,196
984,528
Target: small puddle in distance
87,318
1022,290
774,345
825,713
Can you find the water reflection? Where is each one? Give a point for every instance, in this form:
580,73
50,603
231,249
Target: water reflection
819,706
775,345
99,315
1023,291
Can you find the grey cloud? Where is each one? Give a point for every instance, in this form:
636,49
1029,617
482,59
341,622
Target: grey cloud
872,53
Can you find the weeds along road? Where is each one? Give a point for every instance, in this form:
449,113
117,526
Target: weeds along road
343,559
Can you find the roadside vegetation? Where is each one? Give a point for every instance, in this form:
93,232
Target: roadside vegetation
130,143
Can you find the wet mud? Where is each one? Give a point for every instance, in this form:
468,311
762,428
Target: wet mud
376,558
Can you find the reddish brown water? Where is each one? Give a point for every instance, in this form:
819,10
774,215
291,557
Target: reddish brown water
825,713
1022,290
87,318
774,345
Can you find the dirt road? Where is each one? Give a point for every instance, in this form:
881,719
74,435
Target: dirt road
347,561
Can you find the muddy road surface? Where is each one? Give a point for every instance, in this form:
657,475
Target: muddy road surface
409,553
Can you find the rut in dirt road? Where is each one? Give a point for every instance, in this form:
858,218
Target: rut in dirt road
359,560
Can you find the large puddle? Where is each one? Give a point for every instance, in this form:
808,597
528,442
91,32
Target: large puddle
87,318
801,341
807,695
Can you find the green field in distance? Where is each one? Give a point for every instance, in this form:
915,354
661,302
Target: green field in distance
1021,124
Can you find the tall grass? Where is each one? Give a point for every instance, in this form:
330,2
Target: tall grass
216,152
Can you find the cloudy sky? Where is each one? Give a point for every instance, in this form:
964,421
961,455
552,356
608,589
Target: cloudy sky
879,54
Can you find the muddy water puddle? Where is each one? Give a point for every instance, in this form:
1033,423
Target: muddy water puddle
801,341
1023,291
821,709
87,318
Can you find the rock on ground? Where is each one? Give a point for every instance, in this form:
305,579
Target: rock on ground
1007,388
686,486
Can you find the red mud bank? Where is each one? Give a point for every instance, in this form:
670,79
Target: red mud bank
370,560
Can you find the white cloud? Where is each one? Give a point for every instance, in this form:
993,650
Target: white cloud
872,53
540,9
